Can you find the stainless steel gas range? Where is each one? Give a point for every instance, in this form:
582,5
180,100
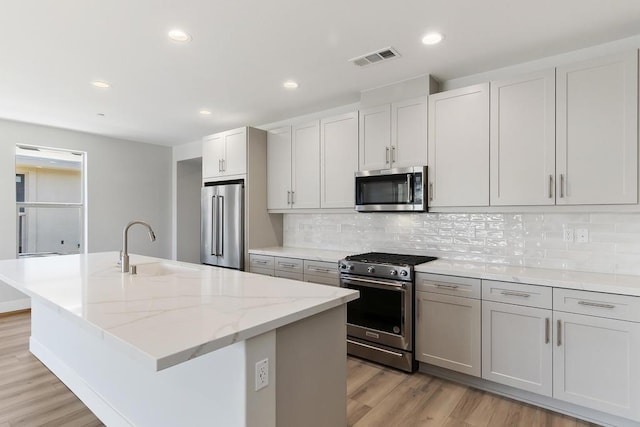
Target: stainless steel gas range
380,322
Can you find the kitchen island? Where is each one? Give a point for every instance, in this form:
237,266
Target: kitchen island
178,344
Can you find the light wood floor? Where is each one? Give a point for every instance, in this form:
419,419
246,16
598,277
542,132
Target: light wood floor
30,395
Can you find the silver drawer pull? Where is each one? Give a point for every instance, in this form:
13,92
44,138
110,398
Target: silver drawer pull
320,270
515,294
547,332
259,261
286,265
596,304
440,285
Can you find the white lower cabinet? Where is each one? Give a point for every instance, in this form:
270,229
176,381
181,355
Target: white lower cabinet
595,359
516,346
447,325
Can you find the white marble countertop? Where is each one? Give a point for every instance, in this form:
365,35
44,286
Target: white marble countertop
302,253
170,312
598,282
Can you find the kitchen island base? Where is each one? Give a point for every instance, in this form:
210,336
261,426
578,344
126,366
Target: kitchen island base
307,375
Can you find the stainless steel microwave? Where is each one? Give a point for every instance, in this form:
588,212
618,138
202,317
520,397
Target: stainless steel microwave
391,190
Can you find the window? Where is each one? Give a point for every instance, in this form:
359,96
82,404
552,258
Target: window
50,211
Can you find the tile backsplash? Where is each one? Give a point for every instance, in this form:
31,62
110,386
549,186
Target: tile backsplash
526,239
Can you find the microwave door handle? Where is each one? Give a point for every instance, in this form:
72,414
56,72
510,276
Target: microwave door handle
409,188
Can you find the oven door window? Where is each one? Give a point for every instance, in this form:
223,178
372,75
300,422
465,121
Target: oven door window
384,190
378,309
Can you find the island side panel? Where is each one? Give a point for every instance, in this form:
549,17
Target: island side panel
122,391
312,371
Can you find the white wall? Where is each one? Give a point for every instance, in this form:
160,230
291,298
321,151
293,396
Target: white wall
189,151
188,185
126,180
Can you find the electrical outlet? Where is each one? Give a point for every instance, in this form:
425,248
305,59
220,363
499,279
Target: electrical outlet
582,235
567,235
262,374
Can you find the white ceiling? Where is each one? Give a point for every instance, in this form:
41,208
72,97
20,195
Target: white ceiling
242,51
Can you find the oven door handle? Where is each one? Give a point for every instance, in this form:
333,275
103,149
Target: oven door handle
374,283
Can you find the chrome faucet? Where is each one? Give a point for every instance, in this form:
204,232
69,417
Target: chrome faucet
124,256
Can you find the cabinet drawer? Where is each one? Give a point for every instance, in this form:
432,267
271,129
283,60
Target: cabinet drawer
599,304
288,264
448,285
323,280
289,275
320,268
265,271
517,293
261,261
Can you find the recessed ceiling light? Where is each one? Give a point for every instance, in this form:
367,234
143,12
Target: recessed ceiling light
290,84
179,36
432,38
205,112
101,84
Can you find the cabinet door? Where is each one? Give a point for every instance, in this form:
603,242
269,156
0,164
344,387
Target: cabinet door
305,184
339,160
212,155
459,147
523,149
448,332
597,131
409,133
375,138
516,346
595,363
235,157
279,168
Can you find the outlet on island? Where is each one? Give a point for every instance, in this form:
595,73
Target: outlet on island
262,374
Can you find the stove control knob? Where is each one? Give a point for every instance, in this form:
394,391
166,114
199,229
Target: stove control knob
346,267
371,270
404,273
393,272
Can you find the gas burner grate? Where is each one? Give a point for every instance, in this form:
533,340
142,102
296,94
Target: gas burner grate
394,259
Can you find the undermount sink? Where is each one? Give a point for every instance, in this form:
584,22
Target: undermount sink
162,269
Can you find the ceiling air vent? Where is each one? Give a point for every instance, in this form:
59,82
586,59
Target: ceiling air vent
373,57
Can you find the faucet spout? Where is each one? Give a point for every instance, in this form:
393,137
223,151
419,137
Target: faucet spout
124,257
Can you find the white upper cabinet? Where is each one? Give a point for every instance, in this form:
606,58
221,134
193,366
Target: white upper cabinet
409,133
305,166
279,168
375,138
339,160
394,135
459,147
522,147
225,154
597,131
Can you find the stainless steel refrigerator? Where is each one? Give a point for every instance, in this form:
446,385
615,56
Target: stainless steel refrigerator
222,224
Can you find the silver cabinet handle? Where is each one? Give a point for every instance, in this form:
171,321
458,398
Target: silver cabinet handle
387,155
393,154
547,330
561,185
559,339
550,186
259,261
288,197
293,198
320,270
219,165
515,294
440,285
430,191
596,304
286,265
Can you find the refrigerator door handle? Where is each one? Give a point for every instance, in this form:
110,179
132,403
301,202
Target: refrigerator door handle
220,225
214,229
